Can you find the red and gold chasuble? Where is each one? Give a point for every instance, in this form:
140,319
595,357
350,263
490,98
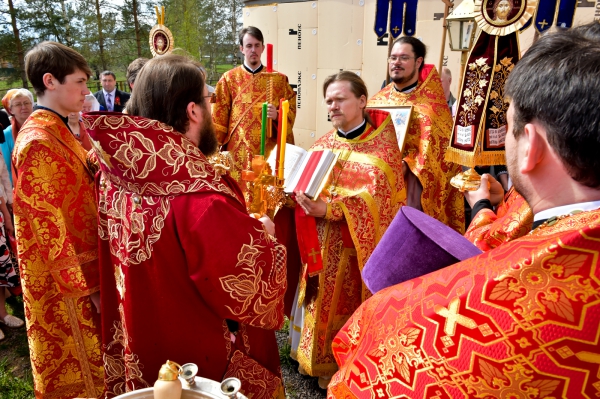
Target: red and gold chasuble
57,235
237,114
513,219
426,142
370,189
519,321
179,257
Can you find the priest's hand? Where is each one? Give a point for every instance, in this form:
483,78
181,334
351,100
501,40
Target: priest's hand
272,112
269,225
95,297
489,189
316,208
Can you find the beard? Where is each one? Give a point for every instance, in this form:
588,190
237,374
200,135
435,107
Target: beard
404,79
337,122
208,138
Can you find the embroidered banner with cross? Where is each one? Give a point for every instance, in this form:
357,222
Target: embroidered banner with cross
546,13
390,15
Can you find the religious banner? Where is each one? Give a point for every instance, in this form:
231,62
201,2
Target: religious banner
161,39
546,12
480,124
390,16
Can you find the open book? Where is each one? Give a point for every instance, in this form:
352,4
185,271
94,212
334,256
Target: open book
305,171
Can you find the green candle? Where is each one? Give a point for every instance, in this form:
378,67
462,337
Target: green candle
263,129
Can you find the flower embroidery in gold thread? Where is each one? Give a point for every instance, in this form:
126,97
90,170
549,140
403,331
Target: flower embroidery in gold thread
120,362
474,93
255,293
497,118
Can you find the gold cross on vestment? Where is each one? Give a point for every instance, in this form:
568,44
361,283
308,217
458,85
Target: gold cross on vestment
543,24
453,317
396,29
314,254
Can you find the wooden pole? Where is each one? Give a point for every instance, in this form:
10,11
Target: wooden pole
387,62
448,4
463,62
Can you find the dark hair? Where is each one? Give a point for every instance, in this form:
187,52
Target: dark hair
418,47
590,31
163,89
56,59
108,73
134,68
357,87
556,84
252,31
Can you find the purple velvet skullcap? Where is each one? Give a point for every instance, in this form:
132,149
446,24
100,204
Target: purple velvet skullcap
415,244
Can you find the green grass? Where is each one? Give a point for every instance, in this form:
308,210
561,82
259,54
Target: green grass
12,387
222,68
284,351
16,380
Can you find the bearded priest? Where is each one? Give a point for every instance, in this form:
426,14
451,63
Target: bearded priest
426,173
186,274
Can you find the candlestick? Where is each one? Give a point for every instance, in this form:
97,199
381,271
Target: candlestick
269,57
278,139
263,129
283,111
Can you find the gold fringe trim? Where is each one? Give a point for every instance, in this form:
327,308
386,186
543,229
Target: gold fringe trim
460,157
471,159
489,158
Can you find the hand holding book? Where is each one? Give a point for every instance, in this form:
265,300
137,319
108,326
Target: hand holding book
317,208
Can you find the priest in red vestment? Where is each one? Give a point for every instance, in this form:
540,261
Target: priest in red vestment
57,231
365,191
521,320
187,275
426,172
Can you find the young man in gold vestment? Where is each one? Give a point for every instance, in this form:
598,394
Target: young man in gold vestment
364,194
237,110
426,173
57,231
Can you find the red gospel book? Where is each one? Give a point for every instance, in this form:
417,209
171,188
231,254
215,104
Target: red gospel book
306,171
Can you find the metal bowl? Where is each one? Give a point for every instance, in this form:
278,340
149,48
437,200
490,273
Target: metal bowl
203,388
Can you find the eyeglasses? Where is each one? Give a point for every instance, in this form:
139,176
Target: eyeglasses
403,58
23,104
211,97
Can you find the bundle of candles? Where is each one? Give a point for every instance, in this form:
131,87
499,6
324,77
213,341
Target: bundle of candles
284,109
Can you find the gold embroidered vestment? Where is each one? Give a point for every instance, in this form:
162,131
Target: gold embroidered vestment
518,321
426,142
370,190
237,114
57,234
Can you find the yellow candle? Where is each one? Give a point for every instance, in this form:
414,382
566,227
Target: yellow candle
285,108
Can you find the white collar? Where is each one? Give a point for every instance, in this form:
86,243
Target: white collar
353,129
253,70
566,209
112,92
